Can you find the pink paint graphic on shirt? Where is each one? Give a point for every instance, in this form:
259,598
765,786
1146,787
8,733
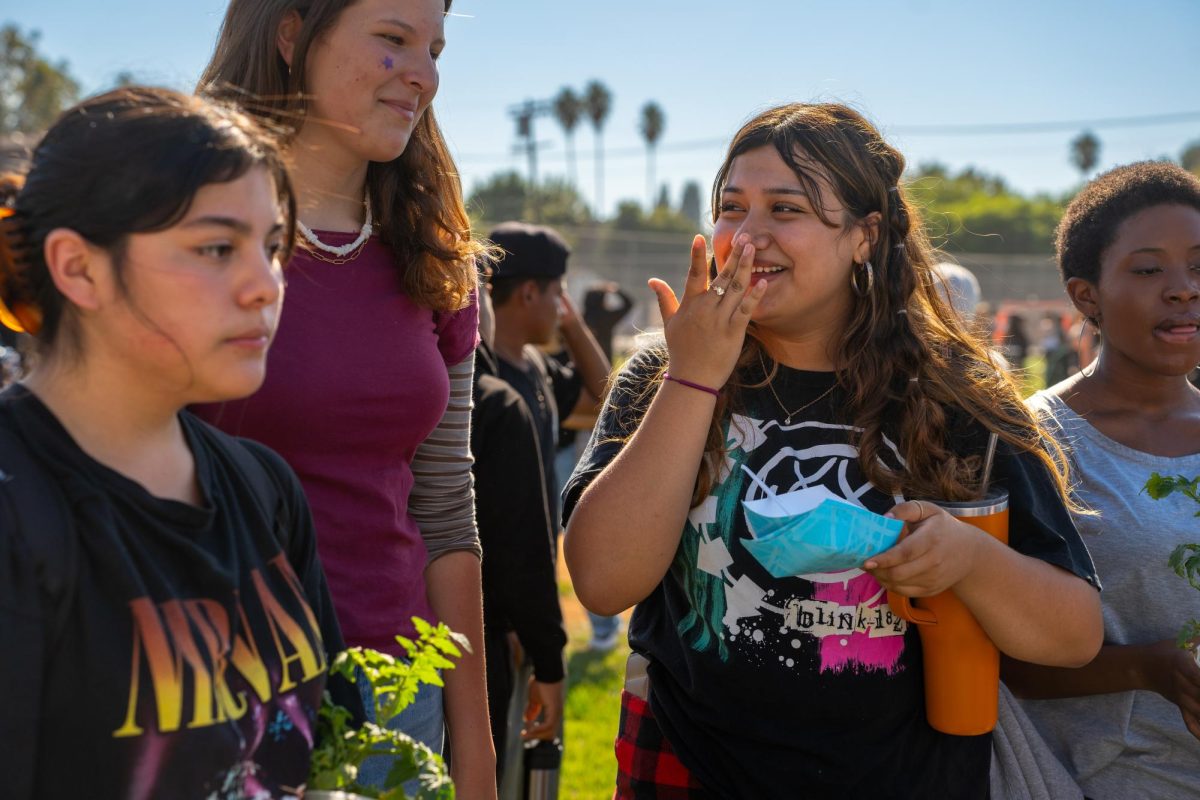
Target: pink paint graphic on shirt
858,651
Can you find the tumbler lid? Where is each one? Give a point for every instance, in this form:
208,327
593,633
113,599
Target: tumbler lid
995,501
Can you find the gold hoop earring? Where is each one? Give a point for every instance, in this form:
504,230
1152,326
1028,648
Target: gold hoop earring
858,290
1095,323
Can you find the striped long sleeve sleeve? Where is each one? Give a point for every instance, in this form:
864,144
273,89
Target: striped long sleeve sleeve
442,501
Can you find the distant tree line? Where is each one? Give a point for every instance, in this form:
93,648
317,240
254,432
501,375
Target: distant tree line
974,212
508,195
966,211
33,91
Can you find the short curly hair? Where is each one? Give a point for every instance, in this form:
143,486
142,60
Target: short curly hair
1090,223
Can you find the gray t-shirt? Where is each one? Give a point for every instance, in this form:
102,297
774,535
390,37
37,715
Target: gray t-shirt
1128,744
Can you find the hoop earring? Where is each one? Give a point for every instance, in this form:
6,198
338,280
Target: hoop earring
870,280
1095,323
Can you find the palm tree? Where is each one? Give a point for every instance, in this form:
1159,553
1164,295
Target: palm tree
1085,152
598,101
568,109
689,206
652,124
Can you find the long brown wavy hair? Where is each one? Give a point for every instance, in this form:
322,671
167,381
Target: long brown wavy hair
906,358
417,197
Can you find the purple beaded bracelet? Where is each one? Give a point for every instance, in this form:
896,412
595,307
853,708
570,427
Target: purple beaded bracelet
669,377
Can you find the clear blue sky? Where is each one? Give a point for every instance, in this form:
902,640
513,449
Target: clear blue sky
710,64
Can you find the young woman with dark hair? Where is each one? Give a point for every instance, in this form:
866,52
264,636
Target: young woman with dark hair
822,354
164,622
1128,723
369,386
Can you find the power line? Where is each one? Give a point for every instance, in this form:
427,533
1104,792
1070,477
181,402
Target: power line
1045,127
983,129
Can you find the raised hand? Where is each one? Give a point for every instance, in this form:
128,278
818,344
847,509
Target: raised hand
705,329
568,312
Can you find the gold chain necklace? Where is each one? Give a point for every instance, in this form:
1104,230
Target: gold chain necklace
319,256
789,414
338,254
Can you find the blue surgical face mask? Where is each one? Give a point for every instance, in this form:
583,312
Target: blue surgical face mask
814,531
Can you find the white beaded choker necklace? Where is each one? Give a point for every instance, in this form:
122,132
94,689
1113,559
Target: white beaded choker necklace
344,250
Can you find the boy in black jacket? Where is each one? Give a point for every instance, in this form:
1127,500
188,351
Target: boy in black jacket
520,591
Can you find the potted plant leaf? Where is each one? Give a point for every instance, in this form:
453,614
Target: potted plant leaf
1185,559
342,745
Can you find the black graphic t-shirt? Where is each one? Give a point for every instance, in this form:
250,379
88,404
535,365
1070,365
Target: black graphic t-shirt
806,686
192,654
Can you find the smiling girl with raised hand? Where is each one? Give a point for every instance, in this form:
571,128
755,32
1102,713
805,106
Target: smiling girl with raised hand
369,387
821,355
164,623
1128,723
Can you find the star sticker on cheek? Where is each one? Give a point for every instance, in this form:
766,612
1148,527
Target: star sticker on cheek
388,63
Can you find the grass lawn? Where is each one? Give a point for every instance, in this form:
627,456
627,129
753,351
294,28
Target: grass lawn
1032,378
593,707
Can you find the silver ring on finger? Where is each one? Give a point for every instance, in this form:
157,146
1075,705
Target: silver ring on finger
719,291
921,506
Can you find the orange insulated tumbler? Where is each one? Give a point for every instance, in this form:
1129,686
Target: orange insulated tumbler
962,666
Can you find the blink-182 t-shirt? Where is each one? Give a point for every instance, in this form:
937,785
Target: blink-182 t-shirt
192,654
806,686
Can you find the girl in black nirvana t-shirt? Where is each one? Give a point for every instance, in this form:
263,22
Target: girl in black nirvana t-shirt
164,621
821,355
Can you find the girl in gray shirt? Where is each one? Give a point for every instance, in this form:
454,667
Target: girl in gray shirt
1128,724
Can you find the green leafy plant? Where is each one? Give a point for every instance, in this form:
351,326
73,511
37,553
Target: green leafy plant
1185,559
342,746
